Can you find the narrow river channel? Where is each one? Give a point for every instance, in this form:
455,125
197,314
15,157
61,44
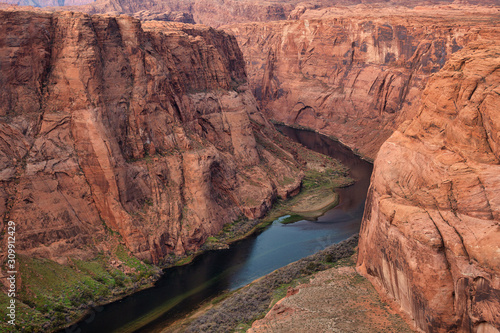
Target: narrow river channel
183,289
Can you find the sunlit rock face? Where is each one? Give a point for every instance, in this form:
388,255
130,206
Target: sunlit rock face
430,237
117,131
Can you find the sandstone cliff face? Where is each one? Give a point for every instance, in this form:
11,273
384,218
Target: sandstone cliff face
280,7
220,12
113,131
209,12
430,237
169,16
357,72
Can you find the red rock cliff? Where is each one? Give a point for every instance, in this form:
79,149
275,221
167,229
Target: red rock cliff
219,12
113,130
430,237
354,72
209,12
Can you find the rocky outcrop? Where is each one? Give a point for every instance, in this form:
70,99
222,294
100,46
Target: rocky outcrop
172,16
220,12
430,237
354,72
113,131
209,12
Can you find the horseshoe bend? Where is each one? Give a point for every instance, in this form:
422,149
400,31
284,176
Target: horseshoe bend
259,166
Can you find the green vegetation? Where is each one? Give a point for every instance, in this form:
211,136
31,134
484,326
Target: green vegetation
291,218
315,198
211,239
139,268
53,295
185,260
328,178
280,292
242,328
27,318
232,232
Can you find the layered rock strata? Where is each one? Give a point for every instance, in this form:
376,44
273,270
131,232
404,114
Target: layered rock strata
169,16
430,237
116,131
356,72
219,12
209,12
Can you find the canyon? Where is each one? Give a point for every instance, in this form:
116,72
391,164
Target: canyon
429,239
143,135
125,144
354,73
430,235
154,135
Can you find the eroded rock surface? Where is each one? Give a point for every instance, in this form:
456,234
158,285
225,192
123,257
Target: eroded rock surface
219,12
113,131
209,12
335,300
174,16
430,237
355,72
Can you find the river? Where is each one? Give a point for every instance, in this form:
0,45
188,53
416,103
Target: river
182,289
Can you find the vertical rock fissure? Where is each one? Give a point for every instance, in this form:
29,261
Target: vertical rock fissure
464,248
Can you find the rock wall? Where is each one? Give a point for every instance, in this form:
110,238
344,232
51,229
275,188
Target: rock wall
354,72
220,12
113,131
430,237
209,12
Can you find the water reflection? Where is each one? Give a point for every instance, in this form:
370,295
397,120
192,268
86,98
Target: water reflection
182,289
